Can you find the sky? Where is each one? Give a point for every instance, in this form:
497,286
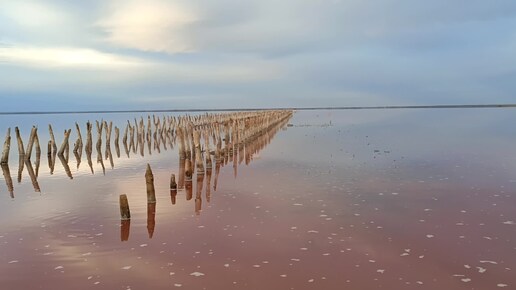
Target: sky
173,54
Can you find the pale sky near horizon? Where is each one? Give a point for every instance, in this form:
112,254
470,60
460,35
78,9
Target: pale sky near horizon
161,54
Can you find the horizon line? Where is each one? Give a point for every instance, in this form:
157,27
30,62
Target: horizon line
477,106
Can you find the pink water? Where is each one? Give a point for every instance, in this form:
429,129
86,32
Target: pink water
385,199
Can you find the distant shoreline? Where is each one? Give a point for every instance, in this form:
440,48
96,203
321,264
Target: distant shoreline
260,109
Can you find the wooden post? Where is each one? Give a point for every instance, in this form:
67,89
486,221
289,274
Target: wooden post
188,170
173,184
52,139
65,142
38,147
21,150
198,156
99,135
78,143
38,153
33,133
125,213
117,145
208,151
181,178
7,147
108,136
173,188
149,181
89,142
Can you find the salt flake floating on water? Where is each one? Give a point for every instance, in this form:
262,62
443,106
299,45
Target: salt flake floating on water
501,285
197,274
509,223
178,285
465,280
283,275
488,262
12,262
58,267
381,271
429,236
143,245
127,267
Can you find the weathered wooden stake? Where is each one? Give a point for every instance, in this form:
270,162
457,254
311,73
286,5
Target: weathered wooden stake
188,170
125,213
65,142
198,156
33,133
7,147
21,150
78,143
38,147
117,145
52,139
149,181
173,184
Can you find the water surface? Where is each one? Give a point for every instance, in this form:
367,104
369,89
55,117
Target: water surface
380,199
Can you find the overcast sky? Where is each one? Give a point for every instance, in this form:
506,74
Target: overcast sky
160,54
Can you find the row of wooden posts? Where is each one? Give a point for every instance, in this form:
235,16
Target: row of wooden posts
237,130
246,139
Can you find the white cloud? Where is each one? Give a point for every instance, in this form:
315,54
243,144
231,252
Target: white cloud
154,25
34,14
52,57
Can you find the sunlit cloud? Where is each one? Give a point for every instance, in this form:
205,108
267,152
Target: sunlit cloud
154,25
34,13
52,57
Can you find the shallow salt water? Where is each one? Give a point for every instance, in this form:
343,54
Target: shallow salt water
350,199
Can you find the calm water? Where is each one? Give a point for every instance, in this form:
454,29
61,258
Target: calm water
366,199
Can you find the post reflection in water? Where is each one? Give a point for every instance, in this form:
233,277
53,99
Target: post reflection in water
198,194
208,185
32,175
244,135
125,226
151,219
8,179
64,162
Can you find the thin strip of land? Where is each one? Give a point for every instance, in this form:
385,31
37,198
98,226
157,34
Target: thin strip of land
478,106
